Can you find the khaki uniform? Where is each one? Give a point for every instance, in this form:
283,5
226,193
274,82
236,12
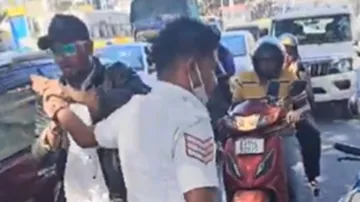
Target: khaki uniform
247,85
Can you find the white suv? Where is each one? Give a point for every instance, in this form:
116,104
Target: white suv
326,49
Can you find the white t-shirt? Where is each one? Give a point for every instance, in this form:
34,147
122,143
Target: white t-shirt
166,144
83,179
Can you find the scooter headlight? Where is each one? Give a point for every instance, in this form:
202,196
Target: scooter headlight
266,164
340,66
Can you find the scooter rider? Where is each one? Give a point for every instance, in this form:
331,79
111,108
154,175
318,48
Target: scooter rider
308,133
292,62
268,61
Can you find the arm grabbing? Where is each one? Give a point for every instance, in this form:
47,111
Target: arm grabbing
80,132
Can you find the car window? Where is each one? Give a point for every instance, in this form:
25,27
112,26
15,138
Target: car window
235,43
132,56
254,30
318,29
17,120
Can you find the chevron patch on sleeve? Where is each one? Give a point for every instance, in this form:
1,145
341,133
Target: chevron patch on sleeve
199,149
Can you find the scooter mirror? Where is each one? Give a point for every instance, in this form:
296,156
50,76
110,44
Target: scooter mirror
297,87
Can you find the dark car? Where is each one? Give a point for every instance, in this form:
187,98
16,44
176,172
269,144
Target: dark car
22,178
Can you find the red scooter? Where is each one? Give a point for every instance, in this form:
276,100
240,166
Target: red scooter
254,169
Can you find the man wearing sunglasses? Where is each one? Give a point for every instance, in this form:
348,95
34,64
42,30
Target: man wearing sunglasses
92,93
165,140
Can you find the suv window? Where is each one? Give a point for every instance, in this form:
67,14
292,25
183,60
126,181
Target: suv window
317,30
18,106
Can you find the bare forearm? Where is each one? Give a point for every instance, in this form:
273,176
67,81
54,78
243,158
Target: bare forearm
87,98
81,133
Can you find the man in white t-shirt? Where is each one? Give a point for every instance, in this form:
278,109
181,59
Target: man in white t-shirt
165,140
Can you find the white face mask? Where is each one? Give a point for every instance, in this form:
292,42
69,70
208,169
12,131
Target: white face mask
199,91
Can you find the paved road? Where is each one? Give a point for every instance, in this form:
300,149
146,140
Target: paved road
337,177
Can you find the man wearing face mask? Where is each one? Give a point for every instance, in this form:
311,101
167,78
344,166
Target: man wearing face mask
268,61
165,139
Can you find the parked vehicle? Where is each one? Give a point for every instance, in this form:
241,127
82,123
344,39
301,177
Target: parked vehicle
241,45
133,55
254,29
325,36
22,178
353,154
148,17
252,154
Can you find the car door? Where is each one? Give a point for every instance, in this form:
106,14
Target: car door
21,177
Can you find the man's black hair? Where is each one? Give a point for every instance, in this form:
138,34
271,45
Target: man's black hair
181,38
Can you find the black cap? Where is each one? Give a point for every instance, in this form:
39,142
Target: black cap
64,29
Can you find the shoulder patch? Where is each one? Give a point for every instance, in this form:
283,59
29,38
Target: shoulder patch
202,150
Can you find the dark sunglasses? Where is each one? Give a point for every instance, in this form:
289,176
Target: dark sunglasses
65,50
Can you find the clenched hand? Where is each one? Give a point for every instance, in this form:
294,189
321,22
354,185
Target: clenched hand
55,95
53,104
52,88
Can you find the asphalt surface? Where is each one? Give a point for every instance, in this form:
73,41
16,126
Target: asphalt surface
337,177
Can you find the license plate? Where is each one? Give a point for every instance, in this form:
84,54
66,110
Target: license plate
249,146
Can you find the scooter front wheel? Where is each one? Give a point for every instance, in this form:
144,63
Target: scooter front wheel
251,196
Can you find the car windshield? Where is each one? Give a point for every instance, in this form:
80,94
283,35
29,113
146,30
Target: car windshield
317,30
17,120
145,9
132,56
235,43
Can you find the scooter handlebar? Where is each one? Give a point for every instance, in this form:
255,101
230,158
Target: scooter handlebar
348,149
